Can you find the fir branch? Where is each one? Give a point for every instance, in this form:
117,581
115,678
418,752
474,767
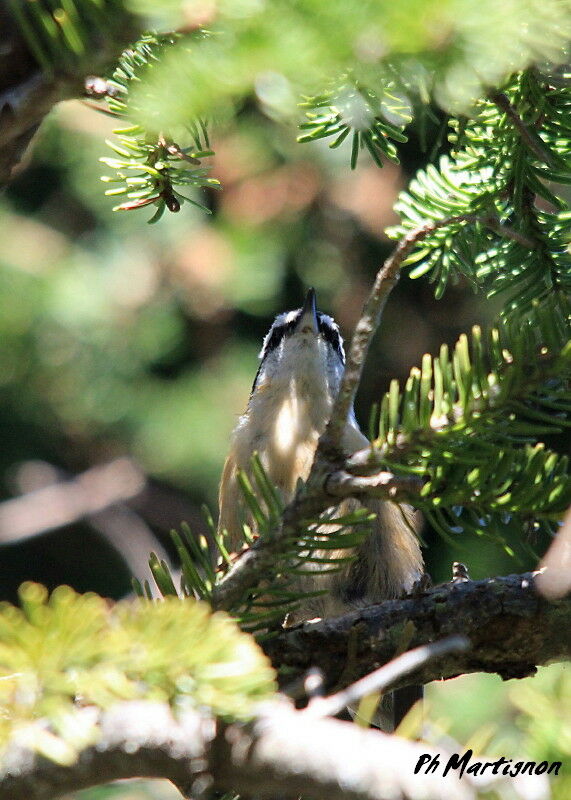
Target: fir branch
352,108
463,425
369,321
152,166
511,627
505,231
499,167
74,645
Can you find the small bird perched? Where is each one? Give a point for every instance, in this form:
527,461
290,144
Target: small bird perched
302,362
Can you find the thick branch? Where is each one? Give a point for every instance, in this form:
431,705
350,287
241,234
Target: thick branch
283,752
512,629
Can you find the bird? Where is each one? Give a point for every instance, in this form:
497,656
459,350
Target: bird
302,361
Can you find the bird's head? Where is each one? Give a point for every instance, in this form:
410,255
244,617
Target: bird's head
303,346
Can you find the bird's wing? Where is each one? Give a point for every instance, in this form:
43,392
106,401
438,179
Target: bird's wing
392,560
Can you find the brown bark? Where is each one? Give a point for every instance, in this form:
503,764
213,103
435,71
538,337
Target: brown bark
511,628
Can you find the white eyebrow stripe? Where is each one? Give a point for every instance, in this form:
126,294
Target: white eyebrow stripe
286,320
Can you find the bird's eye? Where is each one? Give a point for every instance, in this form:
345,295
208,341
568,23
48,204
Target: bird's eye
276,336
278,333
332,337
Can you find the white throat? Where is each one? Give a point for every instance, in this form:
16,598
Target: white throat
289,409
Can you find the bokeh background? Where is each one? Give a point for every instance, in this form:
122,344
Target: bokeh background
127,352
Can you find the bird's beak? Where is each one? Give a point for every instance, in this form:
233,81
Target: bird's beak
308,316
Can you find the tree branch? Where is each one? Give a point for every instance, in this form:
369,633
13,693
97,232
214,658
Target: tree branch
506,231
533,142
27,94
342,484
282,752
64,502
385,676
97,496
386,279
512,629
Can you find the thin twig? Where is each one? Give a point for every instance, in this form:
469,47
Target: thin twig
506,231
503,103
386,279
382,484
382,678
330,442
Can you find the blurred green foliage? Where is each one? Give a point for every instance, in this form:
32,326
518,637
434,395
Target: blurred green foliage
452,48
58,648
521,719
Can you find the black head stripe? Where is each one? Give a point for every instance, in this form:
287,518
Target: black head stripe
278,333
275,336
284,327
331,335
